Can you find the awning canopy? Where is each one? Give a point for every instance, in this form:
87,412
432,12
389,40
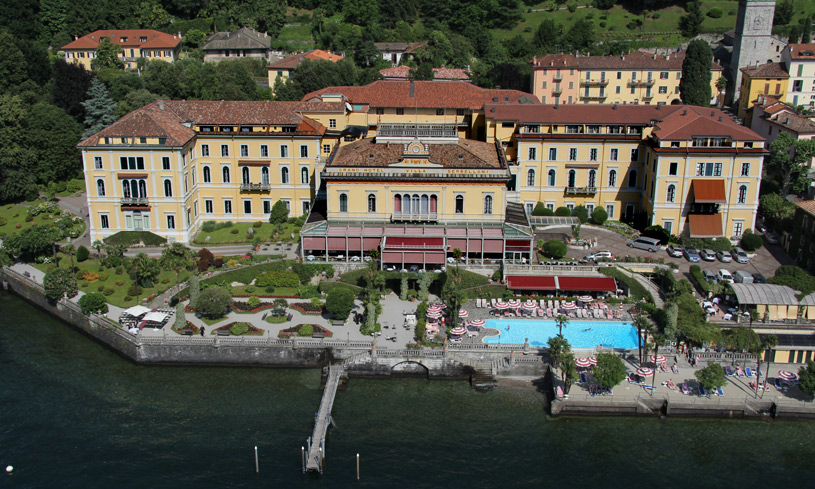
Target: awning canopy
529,282
708,191
136,311
705,225
537,282
405,242
766,294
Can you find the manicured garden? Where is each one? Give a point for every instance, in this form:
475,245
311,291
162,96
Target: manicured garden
223,233
16,219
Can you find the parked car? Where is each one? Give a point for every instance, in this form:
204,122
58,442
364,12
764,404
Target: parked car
691,254
742,277
674,251
724,276
600,254
771,238
645,243
724,256
739,255
710,276
708,255
759,278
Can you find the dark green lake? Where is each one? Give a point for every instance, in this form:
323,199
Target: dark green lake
76,415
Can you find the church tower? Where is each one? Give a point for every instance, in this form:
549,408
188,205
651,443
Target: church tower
751,45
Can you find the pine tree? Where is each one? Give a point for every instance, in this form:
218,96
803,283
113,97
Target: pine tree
100,109
694,87
195,290
691,23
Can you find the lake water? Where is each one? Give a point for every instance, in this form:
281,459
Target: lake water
581,334
76,415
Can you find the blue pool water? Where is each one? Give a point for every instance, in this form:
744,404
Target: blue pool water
581,334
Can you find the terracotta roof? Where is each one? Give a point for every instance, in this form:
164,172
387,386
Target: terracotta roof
705,225
767,70
368,153
802,51
580,113
148,121
155,39
700,121
243,38
631,61
407,47
425,94
787,118
708,191
403,72
771,105
293,61
807,206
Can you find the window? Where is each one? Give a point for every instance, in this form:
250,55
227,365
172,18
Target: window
619,75
552,154
371,203
708,169
332,123
612,178
224,150
245,175
668,226
738,227
247,206
459,204
632,178
168,188
264,151
488,204
530,178
592,178
104,222
244,150
304,175
551,181
617,89
343,202
461,111
100,188
264,175
572,154
533,154
208,206
635,154
207,175
610,211
663,75
742,194
572,178
165,162
673,168
380,111
204,150
97,162
439,111
131,162
613,154
671,193
227,207
745,169
593,154
400,111
284,175
226,174
326,148
306,207
170,221
267,206
529,208
303,151
284,151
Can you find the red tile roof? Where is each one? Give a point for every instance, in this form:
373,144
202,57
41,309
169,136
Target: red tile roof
708,191
767,70
148,121
368,153
155,39
293,61
802,51
705,225
403,72
425,94
700,121
579,113
807,206
631,61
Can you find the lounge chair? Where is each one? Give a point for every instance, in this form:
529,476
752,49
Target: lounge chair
610,316
543,304
702,391
728,370
779,384
719,391
674,369
740,372
684,388
663,367
749,372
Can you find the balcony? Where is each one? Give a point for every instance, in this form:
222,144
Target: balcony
594,83
415,217
601,96
581,190
648,96
557,91
641,83
255,187
134,201
557,78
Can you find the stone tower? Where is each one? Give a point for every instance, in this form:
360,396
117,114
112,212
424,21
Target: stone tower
754,24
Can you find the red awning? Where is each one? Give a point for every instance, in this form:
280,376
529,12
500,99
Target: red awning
392,257
517,245
434,258
493,246
708,191
528,282
406,242
336,244
588,284
313,243
705,225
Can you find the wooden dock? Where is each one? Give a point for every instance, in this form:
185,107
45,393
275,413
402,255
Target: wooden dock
316,444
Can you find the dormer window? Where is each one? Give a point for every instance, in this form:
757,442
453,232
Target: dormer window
674,144
143,39
246,128
123,39
226,128
206,128
288,128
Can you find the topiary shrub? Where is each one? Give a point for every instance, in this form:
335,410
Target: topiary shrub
109,291
548,212
238,329
257,224
539,209
599,216
82,254
715,13
554,249
305,330
103,276
563,212
233,231
581,213
750,241
127,298
93,303
29,218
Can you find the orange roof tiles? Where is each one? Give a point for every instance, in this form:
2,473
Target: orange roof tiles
631,61
467,153
700,121
807,206
403,72
126,38
579,113
705,225
708,191
767,70
293,61
802,51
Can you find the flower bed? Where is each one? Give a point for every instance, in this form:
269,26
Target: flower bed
295,331
245,308
189,327
307,308
239,328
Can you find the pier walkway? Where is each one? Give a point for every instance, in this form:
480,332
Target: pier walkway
316,448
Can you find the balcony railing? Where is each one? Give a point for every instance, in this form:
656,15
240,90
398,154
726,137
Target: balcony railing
648,96
641,83
557,91
594,83
255,187
580,190
601,96
415,216
417,130
558,78
134,201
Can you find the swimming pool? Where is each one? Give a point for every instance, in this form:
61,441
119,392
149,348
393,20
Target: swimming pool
581,334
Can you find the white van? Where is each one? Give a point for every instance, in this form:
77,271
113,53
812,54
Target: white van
643,243
741,277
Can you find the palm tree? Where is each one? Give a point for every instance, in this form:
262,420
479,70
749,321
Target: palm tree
769,343
69,250
568,371
176,257
562,321
452,289
558,348
640,323
98,245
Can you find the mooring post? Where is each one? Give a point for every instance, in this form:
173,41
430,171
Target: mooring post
257,467
303,458
357,467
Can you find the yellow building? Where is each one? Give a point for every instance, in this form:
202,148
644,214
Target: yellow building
135,43
634,78
689,169
769,80
283,68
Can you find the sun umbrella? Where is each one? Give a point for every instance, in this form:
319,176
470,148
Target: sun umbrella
434,314
434,308
568,305
530,305
586,298
645,371
657,359
501,305
593,360
463,313
514,303
477,322
582,362
458,331
787,375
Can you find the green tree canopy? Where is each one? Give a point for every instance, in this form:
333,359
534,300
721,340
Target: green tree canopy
213,302
145,269
100,109
17,159
34,241
787,160
339,302
599,216
12,64
711,377
609,370
694,87
691,23
107,55
784,11
59,283
806,379
558,348
93,302
51,138
280,213
777,210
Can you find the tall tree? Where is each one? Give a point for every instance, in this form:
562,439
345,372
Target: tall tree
806,29
71,83
787,161
783,12
59,283
452,290
12,63
177,258
100,109
691,23
107,55
150,14
580,36
547,36
52,137
17,162
694,87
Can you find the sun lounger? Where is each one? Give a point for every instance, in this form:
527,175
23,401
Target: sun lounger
719,391
559,392
749,372
702,391
728,370
740,372
610,317
543,304
674,369
685,389
649,387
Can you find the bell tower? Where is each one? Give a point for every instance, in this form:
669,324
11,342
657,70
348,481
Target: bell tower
754,24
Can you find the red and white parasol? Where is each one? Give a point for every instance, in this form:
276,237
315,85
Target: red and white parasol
530,305
501,305
568,305
787,375
514,303
458,331
645,371
582,362
463,313
586,298
593,360
434,314
658,359
477,322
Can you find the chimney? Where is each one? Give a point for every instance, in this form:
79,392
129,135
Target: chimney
76,38
655,56
161,105
712,113
720,119
623,57
179,34
685,112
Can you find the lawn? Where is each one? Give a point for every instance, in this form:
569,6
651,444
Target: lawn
276,319
15,214
265,232
241,290
210,322
297,34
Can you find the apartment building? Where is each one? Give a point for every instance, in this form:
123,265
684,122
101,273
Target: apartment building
135,43
767,80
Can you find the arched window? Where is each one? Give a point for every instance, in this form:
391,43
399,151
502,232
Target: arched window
488,204
142,189
343,202
372,203
168,188
416,203
284,175
245,174
632,178
406,204
572,178
592,178
304,175
264,175
433,203
134,189
226,174
551,178
207,175
530,178
671,193
425,204
125,189
742,194
397,203
612,178
100,188
459,204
